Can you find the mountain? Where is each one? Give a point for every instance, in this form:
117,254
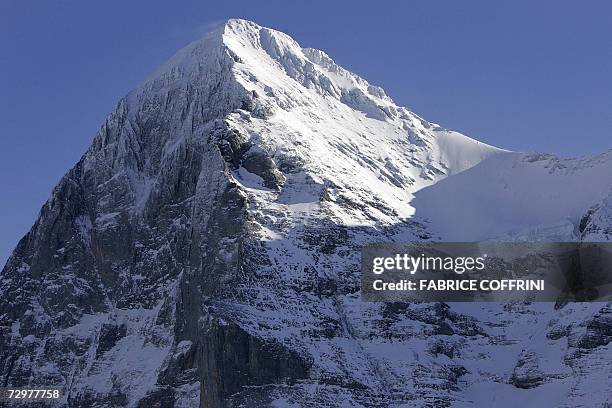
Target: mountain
205,250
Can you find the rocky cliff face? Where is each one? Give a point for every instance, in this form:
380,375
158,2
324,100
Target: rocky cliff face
204,252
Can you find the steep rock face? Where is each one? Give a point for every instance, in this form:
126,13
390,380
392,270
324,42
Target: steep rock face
112,241
205,252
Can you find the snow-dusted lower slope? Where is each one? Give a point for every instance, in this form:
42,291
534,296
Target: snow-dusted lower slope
205,252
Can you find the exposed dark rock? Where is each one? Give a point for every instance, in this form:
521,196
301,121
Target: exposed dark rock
327,238
231,359
598,331
447,348
527,373
238,151
159,398
233,145
258,162
289,164
558,332
181,367
110,334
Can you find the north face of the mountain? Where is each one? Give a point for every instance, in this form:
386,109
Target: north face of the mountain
205,252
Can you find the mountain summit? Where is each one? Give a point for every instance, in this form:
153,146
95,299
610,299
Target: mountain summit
204,252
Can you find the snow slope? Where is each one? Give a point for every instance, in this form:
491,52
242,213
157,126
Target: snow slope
517,196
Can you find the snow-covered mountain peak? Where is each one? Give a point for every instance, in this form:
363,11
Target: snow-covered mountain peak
204,252
298,106
337,121
309,66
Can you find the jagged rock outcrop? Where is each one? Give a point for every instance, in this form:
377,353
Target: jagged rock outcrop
527,374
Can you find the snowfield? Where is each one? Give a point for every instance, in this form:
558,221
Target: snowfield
518,196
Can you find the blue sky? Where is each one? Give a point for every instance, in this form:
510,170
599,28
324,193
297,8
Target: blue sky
525,75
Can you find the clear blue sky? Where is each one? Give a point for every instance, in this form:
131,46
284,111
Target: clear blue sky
525,75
